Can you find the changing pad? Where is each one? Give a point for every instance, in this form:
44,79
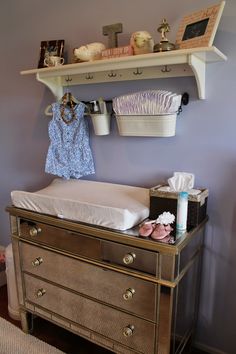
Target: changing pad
109,205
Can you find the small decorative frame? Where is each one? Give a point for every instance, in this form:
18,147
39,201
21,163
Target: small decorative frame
53,47
199,28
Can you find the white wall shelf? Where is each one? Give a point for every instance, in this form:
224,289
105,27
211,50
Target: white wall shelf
177,63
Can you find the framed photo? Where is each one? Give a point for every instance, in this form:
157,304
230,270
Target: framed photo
198,29
47,48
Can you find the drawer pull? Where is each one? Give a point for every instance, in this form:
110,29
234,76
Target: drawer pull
40,292
37,261
128,331
34,231
128,294
129,258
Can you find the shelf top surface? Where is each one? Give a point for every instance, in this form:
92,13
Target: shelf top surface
206,54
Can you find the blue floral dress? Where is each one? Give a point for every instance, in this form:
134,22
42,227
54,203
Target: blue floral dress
69,153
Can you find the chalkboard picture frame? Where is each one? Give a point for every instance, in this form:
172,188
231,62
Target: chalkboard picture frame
52,47
199,28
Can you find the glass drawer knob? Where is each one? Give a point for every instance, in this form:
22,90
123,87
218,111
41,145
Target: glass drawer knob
128,331
37,261
129,258
40,292
128,294
34,231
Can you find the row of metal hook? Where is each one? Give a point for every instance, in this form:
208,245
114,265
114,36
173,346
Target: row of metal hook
166,69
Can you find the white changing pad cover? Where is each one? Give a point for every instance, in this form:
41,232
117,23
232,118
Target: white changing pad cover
109,205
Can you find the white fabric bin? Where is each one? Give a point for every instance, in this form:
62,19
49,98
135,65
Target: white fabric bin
13,304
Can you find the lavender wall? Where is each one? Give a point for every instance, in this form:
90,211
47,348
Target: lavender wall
204,143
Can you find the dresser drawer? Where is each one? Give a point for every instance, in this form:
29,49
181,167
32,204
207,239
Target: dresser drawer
61,239
126,329
130,257
131,294
90,247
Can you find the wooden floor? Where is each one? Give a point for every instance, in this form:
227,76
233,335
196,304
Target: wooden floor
56,336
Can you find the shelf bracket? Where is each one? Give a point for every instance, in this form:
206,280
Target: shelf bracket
198,67
53,83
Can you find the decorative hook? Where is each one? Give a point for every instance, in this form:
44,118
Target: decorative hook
166,69
137,72
112,74
68,79
89,77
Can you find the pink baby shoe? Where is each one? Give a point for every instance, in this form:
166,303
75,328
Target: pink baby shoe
146,229
161,231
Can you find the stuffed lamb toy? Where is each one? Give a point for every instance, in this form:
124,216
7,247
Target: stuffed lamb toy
89,52
142,42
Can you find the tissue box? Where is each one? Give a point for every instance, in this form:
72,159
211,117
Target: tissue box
167,201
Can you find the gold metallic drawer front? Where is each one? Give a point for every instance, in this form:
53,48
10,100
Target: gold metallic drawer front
126,329
91,247
130,257
131,294
61,239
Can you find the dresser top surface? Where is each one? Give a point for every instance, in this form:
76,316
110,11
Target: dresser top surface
128,237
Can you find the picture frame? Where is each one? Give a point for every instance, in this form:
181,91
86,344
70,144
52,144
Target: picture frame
52,47
199,28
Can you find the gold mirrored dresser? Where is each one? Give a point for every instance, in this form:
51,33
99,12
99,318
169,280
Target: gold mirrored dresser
114,288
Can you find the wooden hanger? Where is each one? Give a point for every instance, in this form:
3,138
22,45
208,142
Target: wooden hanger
48,111
68,98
